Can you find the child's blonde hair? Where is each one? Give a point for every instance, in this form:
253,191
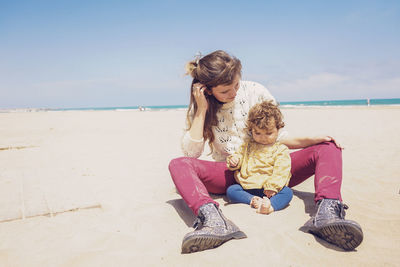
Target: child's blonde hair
261,114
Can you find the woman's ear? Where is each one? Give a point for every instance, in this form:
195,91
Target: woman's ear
208,91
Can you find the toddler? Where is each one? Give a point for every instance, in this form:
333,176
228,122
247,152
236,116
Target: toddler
262,164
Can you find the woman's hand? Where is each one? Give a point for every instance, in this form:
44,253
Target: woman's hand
198,93
197,128
327,138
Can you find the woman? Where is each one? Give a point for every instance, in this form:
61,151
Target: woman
219,104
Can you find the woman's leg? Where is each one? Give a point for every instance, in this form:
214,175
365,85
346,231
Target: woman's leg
195,179
282,199
325,162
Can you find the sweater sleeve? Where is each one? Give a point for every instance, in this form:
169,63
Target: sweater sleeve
191,147
281,172
258,93
238,154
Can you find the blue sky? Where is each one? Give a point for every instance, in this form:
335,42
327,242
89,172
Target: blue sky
60,54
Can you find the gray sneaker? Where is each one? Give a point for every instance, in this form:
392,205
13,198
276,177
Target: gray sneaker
330,225
212,229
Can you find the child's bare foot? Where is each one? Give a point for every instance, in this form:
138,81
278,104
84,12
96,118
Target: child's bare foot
256,202
265,207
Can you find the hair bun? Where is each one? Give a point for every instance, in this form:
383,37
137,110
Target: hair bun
190,67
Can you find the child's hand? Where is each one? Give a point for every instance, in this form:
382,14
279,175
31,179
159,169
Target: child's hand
269,193
233,161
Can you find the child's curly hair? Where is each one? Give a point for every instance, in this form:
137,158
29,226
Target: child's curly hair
261,114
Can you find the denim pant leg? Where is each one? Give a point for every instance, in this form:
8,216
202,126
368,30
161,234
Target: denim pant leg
282,199
236,194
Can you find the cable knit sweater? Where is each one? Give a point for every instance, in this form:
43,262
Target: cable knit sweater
229,134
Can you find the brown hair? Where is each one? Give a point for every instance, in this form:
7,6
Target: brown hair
261,114
216,68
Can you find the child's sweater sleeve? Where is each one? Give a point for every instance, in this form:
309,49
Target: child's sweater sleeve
238,154
281,172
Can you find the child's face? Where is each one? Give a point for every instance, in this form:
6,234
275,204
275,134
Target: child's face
265,136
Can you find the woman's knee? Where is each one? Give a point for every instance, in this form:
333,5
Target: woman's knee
328,149
178,162
329,146
176,168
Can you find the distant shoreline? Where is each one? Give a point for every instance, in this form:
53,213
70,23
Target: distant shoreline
284,104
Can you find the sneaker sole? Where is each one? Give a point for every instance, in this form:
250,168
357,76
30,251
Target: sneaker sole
346,235
203,242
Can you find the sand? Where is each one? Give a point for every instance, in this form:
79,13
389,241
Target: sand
101,182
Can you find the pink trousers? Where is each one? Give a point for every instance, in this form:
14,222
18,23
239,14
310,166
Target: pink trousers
195,178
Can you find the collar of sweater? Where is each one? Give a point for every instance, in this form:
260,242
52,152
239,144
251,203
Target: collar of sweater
228,105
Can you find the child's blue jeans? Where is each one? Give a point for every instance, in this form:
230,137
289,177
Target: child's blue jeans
237,194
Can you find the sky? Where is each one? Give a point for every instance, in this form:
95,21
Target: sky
74,54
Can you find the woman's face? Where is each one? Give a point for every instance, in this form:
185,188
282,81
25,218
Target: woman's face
226,93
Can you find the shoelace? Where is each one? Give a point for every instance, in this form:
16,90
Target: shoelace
199,220
342,212
338,208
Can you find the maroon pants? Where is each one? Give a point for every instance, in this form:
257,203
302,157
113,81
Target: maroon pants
195,178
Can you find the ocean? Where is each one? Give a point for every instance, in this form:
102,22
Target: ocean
283,104
356,102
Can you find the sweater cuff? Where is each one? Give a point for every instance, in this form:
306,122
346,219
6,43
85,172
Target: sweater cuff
266,187
194,140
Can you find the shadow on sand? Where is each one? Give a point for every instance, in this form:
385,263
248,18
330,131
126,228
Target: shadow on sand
185,212
310,209
308,199
188,216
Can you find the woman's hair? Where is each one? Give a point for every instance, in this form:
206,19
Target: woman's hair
261,114
216,68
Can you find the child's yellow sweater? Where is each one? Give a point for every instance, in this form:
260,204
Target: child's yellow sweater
262,166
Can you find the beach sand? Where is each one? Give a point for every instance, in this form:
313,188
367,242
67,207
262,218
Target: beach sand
102,179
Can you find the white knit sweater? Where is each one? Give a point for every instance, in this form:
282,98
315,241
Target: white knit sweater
229,134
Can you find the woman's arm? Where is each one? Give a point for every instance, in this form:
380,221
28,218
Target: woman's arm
197,127
196,130
191,147
302,142
193,140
